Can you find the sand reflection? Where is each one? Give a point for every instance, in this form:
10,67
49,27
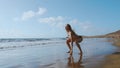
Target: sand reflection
75,64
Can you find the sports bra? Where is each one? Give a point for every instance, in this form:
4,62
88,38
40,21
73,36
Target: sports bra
69,34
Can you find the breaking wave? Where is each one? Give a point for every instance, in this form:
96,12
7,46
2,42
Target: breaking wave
18,43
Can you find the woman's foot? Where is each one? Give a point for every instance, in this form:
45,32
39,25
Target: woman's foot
80,53
71,52
68,52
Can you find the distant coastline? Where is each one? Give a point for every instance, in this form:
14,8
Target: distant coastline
109,35
114,35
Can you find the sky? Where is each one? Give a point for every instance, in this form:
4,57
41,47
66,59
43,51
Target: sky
47,18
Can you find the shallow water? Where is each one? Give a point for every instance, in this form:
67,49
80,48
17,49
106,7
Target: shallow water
53,54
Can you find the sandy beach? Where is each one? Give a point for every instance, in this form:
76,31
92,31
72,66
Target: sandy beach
38,33
97,53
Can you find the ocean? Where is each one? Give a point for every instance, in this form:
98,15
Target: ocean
51,52
11,43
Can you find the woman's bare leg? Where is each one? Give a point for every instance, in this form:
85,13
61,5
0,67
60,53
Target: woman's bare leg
68,44
71,51
79,47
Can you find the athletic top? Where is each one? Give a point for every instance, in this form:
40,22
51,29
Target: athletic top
69,34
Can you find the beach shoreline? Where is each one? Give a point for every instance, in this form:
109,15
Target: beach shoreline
95,55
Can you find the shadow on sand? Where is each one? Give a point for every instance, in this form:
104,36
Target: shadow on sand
116,53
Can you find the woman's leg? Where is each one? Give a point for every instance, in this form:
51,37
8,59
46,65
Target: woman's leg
68,44
71,51
79,47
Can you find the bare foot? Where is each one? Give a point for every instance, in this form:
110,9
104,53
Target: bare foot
68,52
71,52
80,53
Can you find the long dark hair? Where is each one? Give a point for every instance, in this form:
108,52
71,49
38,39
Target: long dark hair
68,27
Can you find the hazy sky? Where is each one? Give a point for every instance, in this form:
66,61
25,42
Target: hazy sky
47,18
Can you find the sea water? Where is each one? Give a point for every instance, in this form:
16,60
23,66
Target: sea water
41,52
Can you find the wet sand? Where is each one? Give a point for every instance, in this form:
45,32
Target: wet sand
117,42
113,60
97,53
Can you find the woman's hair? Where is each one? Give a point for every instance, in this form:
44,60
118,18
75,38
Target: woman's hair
68,27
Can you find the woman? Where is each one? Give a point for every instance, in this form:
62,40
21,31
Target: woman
72,37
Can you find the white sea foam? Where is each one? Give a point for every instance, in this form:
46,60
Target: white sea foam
18,43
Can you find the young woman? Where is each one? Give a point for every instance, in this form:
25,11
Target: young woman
72,38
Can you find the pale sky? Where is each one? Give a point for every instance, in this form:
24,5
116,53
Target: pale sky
47,18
